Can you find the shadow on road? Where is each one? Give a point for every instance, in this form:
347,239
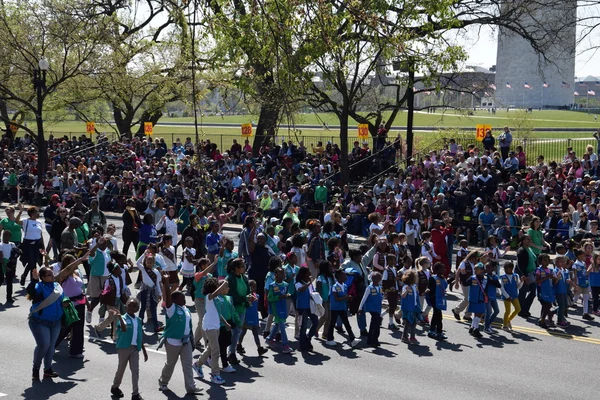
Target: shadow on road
46,389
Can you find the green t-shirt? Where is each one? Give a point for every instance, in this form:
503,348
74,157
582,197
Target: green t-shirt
242,291
14,228
537,237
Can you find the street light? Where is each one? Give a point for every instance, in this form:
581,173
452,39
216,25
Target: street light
39,83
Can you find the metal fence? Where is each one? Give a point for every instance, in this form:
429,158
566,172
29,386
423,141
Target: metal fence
551,149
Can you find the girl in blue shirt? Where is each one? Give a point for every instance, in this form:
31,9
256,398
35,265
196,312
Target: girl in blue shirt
371,303
339,309
251,322
544,278
594,274
561,288
303,290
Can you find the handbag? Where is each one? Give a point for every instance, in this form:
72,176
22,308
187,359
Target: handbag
70,314
316,304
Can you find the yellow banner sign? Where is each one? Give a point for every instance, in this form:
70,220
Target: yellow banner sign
148,128
481,130
246,129
90,127
363,131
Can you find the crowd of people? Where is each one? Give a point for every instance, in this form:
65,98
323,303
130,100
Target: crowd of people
293,260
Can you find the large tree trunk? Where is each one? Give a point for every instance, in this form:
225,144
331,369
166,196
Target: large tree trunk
123,122
269,108
343,117
267,124
147,117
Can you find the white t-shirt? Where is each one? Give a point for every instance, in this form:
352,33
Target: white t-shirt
188,268
6,249
134,324
211,320
117,282
32,229
170,312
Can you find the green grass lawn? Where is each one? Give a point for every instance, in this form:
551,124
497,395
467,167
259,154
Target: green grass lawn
223,136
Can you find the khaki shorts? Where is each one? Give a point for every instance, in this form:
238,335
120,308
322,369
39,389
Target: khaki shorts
96,285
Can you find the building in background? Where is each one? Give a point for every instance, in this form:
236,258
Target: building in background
523,79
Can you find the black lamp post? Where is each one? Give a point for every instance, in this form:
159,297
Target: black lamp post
39,83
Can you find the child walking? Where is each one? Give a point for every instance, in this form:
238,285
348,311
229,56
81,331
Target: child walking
277,295
436,298
371,303
493,284
251,322
582,283
544,279
411,310
510,285
390,288
324,284
339,309
477,298
304,289
130,341
561,288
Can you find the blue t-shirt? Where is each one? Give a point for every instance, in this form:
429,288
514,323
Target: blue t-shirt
487,220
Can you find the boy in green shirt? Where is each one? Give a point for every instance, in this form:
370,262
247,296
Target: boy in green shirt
277,297
129,344
229,320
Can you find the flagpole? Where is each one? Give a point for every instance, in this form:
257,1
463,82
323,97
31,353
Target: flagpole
542,107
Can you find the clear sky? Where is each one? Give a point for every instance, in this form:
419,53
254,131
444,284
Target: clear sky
481,47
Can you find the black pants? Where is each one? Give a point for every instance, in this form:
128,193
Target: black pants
130,238
260,290
504,152
343,315
526,296
9,275
436,321
595,297
374,328
76,330
224,343
31,255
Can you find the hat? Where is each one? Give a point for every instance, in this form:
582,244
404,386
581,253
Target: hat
274,219
478,199
518,194
54,197
578,180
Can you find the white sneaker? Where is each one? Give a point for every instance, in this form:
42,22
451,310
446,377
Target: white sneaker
355,343
331,343
216,379
198,370
228,369
88,317
100,321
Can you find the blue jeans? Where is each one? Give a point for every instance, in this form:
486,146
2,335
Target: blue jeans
304,337
561,300
45,334
490,316
153,305
279,327
237,331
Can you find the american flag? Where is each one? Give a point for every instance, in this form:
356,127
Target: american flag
591,93
565,84
527,85
508,85
545,85
575,93
493,87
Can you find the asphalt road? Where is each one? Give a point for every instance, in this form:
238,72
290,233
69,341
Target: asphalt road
529,363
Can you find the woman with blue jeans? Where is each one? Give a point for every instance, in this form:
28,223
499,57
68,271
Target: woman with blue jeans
493,283
303,290
44,319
